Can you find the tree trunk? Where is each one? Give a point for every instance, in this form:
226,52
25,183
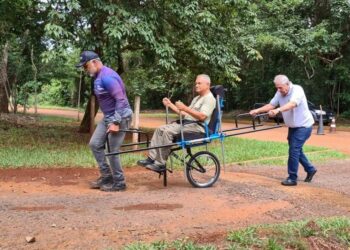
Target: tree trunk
4,100
136,120
14,94
79,93
35,72
85,123
93,112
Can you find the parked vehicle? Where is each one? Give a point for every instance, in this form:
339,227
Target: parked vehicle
327,114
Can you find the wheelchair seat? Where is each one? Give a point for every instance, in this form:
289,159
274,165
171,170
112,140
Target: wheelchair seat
217,90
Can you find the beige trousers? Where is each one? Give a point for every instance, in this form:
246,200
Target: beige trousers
165,135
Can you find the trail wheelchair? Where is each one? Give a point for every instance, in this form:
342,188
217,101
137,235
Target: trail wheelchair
202,169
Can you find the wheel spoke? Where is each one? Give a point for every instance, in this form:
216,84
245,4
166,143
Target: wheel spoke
203,169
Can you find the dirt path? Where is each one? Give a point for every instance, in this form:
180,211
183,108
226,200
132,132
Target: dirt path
57,207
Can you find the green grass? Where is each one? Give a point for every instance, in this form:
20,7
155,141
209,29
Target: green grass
54,142
253,152
53,119
49,106
334,232
162,245
293,235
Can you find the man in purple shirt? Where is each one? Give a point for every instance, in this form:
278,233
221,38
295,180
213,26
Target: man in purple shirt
110,92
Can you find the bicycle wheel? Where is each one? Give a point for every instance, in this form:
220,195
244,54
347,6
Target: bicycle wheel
203,169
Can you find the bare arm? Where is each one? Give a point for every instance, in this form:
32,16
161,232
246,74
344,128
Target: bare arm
262,109
194,113
168,103
286,107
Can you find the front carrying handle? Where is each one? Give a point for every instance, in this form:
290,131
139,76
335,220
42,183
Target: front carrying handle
252,117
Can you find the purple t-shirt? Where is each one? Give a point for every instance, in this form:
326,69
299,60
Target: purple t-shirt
110,92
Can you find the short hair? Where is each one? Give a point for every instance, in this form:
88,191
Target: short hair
283,79
206,77
96,59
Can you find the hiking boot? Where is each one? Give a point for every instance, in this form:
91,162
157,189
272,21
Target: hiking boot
113,187
309,176
289,182
101,181
145,162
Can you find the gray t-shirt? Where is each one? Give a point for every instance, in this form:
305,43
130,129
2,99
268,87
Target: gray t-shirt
204,104
300,116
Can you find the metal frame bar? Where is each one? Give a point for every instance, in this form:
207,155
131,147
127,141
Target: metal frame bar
252,131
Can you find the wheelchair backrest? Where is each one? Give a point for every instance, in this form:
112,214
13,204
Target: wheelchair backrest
213,125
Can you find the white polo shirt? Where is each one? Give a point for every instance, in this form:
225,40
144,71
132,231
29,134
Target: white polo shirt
300,116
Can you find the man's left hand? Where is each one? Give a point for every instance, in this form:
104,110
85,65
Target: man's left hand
273,112
180,106
113,128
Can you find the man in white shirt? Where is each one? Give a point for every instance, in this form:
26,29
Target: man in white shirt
292,104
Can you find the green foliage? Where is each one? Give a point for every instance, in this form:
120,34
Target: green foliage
26,90
246,237
159,46
56,93
148,33
270,237
292,235
161,245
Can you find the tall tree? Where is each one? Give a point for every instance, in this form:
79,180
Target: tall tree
4,87
172,40
21,34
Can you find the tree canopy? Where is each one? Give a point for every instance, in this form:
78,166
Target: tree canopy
158,47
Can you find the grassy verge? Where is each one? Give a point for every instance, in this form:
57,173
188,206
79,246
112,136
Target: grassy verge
48,106
328,233
54,142
331,233
162,245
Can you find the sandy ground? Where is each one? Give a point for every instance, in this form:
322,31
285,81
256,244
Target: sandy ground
57,207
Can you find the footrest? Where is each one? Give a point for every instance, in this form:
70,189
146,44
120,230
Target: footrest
160,171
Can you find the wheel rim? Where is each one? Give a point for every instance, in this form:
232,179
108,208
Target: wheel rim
209,164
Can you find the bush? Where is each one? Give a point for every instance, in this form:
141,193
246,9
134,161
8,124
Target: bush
56,93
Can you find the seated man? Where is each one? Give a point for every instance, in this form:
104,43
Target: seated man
201,109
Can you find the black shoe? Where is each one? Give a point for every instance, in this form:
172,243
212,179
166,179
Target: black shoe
156,167
289,182
101,181
309,176
145,162
113,187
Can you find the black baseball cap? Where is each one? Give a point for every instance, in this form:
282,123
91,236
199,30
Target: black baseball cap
85,57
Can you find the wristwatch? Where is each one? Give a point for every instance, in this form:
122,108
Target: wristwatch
116,123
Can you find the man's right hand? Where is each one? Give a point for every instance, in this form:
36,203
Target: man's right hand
166,102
